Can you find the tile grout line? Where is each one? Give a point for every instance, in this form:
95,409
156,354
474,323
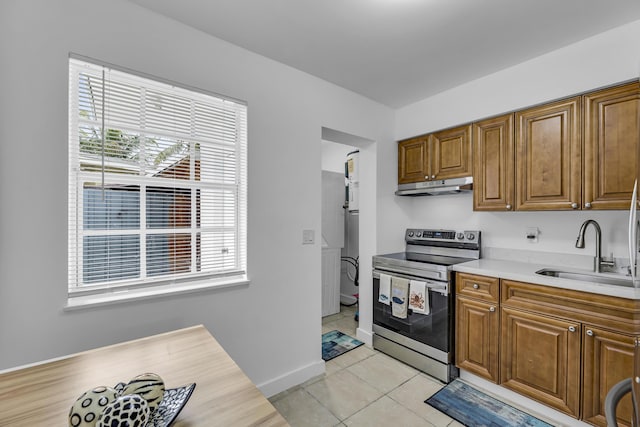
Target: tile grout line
371,352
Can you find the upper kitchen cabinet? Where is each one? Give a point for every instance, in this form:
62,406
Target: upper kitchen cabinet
413,160
441,155
576,153
548,156
611,138
493,164
450,152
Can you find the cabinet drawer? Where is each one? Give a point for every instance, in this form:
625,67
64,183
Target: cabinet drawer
609,312
480,287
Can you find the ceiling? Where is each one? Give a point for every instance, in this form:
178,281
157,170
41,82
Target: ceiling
397,52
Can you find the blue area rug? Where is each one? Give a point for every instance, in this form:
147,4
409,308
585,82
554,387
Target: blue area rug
335,343
473,408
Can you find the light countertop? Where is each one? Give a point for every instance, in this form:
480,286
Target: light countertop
525,272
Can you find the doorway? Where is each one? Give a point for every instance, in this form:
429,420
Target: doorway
336,149
340,227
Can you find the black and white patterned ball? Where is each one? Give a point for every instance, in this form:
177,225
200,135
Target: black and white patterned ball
130,410
87,409
150,386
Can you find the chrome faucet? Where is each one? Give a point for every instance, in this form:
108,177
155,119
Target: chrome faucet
598,262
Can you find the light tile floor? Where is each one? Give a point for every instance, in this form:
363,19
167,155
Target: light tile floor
362,387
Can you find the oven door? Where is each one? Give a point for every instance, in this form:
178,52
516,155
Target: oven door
434,329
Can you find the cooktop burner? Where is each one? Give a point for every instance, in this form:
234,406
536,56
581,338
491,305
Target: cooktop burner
431,253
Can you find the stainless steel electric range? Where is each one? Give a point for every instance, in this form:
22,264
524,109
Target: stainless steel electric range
424,341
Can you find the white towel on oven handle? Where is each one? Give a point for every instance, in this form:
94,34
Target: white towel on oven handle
384,293
399,297
419,297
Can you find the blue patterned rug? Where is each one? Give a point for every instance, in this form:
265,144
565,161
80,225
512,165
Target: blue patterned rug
335,343
473,408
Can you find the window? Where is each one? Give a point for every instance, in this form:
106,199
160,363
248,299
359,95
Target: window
157,181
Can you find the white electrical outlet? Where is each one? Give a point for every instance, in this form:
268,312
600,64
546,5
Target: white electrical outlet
308,237
532,234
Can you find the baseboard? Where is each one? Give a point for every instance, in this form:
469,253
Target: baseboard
364,336
291,379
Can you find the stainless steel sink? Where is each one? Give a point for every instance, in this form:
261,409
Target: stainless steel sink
585,277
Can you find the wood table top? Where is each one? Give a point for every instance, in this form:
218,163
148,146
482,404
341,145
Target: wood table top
42,394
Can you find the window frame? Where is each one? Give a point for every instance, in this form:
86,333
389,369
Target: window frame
81,293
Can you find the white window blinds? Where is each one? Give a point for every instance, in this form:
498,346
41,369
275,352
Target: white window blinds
157,181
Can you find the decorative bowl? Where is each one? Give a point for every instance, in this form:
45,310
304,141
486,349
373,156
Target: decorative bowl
172,403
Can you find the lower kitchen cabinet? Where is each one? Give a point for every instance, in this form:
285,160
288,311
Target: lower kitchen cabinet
478,329
564,348
608,358
540,358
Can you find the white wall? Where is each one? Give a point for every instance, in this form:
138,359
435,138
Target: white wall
605,59
334,155
271,327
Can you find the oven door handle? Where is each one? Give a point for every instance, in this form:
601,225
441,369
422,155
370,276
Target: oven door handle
441,287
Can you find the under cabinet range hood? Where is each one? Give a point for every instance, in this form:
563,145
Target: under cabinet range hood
436,187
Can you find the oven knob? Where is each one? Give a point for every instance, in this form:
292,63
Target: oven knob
471,236
418,234
411,234
460,236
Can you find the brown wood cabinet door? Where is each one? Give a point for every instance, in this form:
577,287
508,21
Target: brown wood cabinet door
493,164
548,158
477,337
612,135
413,157
540,358
451,153
608,359
636,380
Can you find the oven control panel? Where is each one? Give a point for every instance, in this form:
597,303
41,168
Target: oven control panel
461,236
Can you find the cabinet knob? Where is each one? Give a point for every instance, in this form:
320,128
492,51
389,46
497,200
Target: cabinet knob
426,177
589,332
587,205
572,328
508,207
574,205
433,177
476,286
492,309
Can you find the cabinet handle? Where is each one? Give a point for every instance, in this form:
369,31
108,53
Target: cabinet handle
589,332
587,205
508,207
492,309
476,286
572,328
574,205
